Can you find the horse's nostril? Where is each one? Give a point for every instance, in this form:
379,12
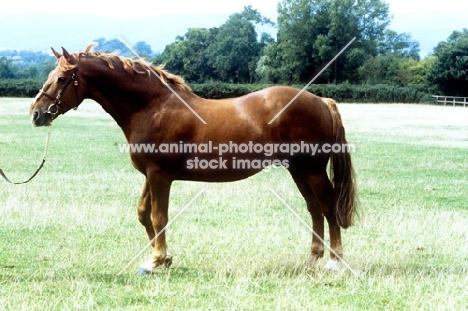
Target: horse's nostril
35,115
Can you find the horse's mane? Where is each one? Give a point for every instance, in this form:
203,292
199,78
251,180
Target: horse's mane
130,65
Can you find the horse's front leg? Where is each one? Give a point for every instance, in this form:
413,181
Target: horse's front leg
159,189
144,211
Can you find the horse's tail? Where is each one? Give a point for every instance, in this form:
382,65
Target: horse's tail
341,171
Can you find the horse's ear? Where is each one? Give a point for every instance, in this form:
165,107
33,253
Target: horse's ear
57,54
66,54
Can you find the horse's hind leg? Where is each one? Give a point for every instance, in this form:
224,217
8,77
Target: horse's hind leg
317,217
323,193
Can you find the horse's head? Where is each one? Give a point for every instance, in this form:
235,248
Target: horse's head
60,93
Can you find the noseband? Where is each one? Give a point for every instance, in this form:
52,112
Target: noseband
54,108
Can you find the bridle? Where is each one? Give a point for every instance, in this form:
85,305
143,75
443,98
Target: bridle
54,108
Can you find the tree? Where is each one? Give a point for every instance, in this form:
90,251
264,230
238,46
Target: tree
187,56
420,70
393,69
402,44
46,68
236,50
311,32
396,62
229,53
450,69
7,70
112,46
143,49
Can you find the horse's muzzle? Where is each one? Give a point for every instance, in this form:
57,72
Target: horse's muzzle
41,118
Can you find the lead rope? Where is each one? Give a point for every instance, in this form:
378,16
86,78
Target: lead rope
46,147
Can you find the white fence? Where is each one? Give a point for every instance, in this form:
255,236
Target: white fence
450,100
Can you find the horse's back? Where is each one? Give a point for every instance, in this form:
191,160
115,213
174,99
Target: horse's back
295,112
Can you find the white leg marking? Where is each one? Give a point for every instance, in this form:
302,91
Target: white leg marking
331,265
149,266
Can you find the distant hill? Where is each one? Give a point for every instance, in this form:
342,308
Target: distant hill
40,31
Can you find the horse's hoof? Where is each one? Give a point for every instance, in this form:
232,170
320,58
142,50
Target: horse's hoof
143,271
168,262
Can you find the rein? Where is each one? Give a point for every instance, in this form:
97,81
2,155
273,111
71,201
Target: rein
53,110
38,169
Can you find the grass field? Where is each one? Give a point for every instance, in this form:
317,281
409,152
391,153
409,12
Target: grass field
65,236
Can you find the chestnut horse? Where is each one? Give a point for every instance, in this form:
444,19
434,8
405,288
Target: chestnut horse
155,107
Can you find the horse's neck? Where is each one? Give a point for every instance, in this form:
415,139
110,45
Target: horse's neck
124,95
122,107
113,107
119,94
124,104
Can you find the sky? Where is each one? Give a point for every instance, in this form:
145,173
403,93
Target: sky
429,22
137,9
156,8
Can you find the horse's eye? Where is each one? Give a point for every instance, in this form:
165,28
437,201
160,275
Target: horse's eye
62,80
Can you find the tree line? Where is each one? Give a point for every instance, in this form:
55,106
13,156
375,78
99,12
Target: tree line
309,33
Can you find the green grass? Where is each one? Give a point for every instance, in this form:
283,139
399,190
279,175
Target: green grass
65,236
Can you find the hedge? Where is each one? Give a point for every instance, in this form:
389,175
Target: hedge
380,93
19,88
342,92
